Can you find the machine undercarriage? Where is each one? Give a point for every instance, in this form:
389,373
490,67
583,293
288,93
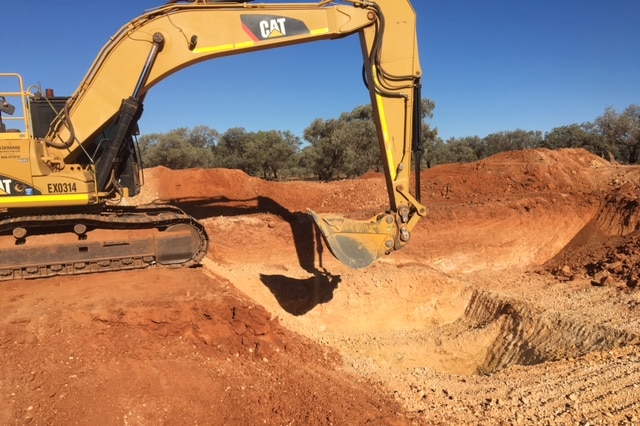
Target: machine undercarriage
109,239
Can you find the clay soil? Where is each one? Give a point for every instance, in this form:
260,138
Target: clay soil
515,302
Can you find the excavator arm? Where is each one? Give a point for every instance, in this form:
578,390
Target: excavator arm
169,38
393,73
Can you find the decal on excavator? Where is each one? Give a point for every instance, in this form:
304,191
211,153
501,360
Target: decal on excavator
61,188
264,27
11,186
5,185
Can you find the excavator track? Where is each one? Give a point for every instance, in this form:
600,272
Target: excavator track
109,239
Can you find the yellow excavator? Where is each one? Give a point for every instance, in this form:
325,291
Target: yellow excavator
66,163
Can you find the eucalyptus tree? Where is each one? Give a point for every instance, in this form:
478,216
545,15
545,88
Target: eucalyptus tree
622,130
180,148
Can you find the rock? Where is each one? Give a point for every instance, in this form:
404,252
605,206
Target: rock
566,272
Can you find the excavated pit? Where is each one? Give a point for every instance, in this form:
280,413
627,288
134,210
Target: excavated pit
492,333
529,335
496,331
516,212
516,302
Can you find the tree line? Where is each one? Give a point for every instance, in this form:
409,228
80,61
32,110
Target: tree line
347,147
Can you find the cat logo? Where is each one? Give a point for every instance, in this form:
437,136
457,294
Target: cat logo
5,185
265,27
273,28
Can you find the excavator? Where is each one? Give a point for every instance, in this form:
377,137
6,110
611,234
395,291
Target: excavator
67,163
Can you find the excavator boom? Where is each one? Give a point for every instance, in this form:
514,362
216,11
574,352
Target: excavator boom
83,156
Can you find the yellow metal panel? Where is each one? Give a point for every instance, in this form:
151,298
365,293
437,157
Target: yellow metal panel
13,135
320,31
385,135
212,49
245,44
44,200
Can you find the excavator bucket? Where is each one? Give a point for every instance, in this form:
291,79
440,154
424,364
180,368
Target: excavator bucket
357,243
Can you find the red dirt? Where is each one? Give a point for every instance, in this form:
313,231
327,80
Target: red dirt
515,302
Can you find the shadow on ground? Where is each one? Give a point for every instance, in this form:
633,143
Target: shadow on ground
295,295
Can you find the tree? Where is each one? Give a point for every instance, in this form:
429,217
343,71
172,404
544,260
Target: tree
262,153
478,145
460,150
585,135
429,140
622,130
271,151
357,133
512,141
233,150
456,150
180,148
349,147
326,155
203,137
434,153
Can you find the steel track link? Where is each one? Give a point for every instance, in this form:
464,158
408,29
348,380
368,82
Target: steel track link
70,243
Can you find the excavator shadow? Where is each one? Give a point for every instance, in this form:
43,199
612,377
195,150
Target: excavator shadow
296,296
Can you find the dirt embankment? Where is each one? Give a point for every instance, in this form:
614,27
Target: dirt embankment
516,302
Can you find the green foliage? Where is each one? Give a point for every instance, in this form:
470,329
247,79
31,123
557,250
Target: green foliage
430,143
473,148
585,135
232,150
325,155
180,148
271,151
512,141
622,131
611,135
460,151
348,146
263,153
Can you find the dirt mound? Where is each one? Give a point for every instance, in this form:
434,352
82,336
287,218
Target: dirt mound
127,349
552,193
515,302
607,249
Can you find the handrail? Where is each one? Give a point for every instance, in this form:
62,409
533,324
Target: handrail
23,95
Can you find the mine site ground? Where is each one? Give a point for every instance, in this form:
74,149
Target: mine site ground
516,301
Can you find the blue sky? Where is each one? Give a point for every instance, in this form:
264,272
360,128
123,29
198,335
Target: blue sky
488,65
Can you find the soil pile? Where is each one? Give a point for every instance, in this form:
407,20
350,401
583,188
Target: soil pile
165,348
515,302
608,249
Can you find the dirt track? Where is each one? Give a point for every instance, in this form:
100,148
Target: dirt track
516,302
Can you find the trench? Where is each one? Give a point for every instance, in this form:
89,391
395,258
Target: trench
493,333
529,335
497,331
